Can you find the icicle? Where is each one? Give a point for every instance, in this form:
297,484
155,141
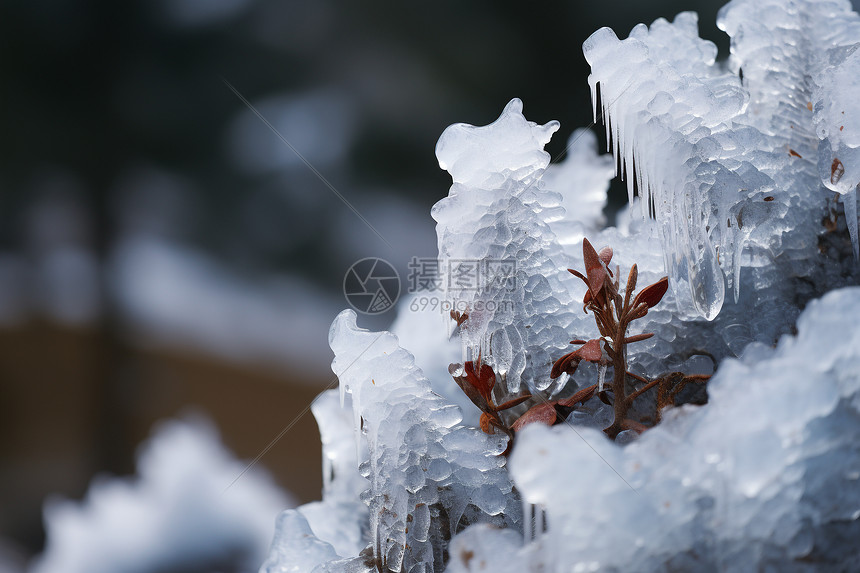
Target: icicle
736,265
850,202
601,377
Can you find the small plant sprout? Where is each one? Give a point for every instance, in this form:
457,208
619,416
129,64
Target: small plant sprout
613,310
613,313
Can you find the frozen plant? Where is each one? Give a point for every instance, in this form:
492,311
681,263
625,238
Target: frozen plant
746,174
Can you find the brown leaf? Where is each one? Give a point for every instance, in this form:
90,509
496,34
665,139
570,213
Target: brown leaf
576,273
482,378
580,397
594,269
605,255
638,337
587,298
631,283
513,402
652,294
459,317
567,363
591,351
542,413
476,389
837,170
486,423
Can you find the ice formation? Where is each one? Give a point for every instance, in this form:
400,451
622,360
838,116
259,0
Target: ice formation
582,180
499,258
174,515
427,475
735,170
728,165
765,477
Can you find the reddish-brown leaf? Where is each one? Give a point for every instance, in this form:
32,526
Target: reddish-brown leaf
652,294
594,269
837,170
605,255
638,337
543,413
567,363
486,424
513,402
580,397
459,317
482,378
587,298
576,273
631,284
465,382
591,351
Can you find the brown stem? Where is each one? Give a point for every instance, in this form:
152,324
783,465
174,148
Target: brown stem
619,379
637,377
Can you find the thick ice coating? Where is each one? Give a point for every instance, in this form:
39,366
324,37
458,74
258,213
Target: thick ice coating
725,159
764,477
498,255
423,468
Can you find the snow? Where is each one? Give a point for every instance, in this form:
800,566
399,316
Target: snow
177,511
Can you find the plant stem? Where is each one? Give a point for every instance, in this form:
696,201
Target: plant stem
619,379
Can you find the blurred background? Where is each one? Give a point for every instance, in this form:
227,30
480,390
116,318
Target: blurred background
162,250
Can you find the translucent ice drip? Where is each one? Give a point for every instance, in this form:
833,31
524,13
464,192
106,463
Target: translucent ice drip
729,170
493,222
837,119
665,108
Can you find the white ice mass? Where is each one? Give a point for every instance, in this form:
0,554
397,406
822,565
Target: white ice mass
742,177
